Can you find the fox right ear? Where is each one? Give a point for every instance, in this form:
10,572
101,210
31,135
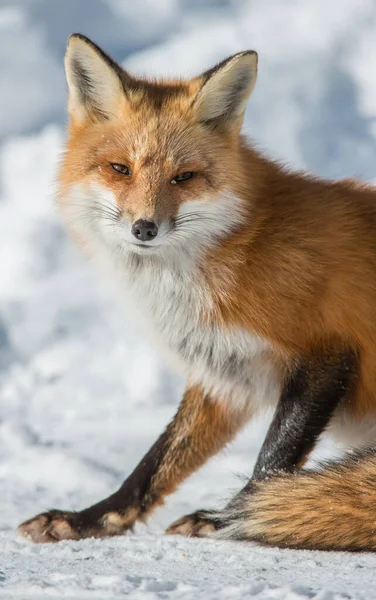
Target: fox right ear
225,90
94,81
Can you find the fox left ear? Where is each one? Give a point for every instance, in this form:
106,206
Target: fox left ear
95,81
225,90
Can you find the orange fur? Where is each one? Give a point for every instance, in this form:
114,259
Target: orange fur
206,428
298,270
305,244
330,509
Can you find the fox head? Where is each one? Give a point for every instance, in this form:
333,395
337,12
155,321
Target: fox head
152,165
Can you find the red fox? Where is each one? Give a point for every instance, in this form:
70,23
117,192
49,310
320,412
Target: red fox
258,282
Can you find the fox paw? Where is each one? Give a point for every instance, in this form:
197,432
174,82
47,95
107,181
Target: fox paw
199,524
57,525
50,527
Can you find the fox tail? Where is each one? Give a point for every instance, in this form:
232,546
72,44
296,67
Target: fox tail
331,508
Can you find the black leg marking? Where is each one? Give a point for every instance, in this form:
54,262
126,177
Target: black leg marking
308,400
312,392
310,395
111,516
200,428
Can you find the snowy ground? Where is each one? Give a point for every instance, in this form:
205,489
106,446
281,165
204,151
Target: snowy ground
73,420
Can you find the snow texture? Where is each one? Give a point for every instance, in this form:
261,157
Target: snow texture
83,395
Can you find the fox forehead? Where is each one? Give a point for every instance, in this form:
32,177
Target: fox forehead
157,139
169,136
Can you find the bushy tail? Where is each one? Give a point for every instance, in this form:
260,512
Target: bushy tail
329,509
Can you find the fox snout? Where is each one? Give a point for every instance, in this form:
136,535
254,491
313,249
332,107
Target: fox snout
144,230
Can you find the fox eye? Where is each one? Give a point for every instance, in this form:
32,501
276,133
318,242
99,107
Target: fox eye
123,169
182,177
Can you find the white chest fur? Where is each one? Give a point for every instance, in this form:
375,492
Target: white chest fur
171,296
230,364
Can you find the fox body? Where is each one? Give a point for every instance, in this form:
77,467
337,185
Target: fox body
259,283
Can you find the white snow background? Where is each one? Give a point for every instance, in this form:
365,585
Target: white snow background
82,395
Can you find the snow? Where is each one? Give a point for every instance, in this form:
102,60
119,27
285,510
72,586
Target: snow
74,419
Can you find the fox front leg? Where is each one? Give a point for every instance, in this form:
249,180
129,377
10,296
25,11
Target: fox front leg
311,393
199,430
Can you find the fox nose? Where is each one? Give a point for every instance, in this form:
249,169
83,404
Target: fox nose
144,230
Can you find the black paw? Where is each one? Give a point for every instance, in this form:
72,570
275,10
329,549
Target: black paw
199,524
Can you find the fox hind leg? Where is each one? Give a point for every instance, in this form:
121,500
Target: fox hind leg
311,393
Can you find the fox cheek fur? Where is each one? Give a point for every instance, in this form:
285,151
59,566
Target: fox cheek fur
259,283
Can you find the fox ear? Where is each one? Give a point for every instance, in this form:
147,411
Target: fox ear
94,81
225,90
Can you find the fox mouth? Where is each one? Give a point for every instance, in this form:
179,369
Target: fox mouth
141,248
